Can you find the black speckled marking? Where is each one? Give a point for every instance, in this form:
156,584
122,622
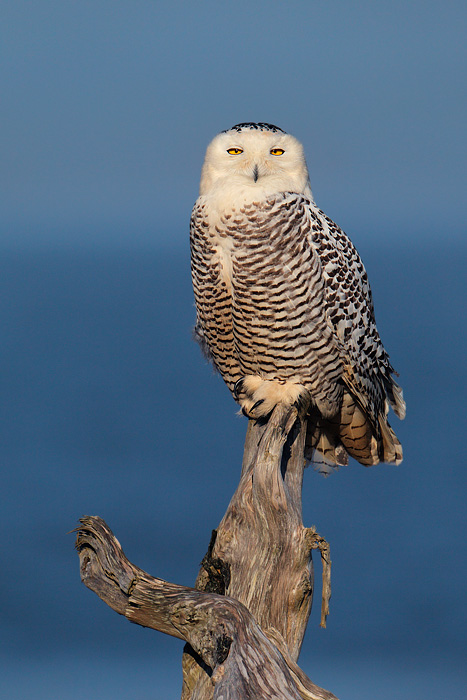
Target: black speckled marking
258,126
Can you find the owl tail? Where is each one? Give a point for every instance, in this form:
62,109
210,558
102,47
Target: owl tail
356,433
364,441
323,448
350,433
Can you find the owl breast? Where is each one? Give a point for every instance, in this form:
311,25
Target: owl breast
260,296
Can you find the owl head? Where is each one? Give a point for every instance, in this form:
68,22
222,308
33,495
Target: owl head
253,160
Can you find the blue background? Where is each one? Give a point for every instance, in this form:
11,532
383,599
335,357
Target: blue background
107,406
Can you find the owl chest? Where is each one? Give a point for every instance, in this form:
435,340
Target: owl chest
241,259
221,262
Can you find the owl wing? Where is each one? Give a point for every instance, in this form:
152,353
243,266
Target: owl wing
349,307
361,426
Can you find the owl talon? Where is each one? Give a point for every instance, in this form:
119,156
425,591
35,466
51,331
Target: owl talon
238,388
251,412
302,403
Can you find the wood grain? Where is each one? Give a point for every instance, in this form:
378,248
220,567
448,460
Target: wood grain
245,619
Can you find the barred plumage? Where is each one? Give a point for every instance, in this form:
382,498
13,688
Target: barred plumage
283,301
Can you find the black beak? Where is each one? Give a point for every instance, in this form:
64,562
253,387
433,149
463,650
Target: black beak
255,173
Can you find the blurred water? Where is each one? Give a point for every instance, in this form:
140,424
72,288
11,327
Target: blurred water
108,408
81,676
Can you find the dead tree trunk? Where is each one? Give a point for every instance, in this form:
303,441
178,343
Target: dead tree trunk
245,620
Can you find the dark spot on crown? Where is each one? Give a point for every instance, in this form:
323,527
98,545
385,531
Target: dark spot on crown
258,126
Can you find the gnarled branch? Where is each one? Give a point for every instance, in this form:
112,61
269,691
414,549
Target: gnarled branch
245,620
240,660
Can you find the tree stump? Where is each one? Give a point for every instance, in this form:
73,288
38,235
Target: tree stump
245,620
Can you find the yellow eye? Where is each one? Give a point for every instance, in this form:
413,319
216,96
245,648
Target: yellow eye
276,151
234,151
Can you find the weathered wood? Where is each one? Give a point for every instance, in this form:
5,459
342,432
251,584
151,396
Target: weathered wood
240,661
260,554
245,620
261,539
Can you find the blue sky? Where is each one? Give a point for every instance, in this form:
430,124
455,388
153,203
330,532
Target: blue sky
107,405
110,105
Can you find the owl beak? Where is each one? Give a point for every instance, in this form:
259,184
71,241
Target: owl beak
255,173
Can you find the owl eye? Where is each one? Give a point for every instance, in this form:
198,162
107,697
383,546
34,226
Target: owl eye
276,151
234,151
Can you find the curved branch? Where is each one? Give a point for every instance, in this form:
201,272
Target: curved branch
241,661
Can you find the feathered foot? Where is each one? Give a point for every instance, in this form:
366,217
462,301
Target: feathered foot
258,397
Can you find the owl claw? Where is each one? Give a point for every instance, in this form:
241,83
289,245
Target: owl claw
302,403
250,411
238,388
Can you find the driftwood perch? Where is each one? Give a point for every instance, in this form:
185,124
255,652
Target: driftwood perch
245,620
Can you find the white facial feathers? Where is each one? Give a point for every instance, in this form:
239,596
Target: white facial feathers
251,164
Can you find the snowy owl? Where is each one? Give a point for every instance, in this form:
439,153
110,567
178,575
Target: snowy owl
284,308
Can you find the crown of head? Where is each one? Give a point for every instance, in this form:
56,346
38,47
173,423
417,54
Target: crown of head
254,126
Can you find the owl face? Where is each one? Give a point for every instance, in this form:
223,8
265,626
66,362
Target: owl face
252,161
